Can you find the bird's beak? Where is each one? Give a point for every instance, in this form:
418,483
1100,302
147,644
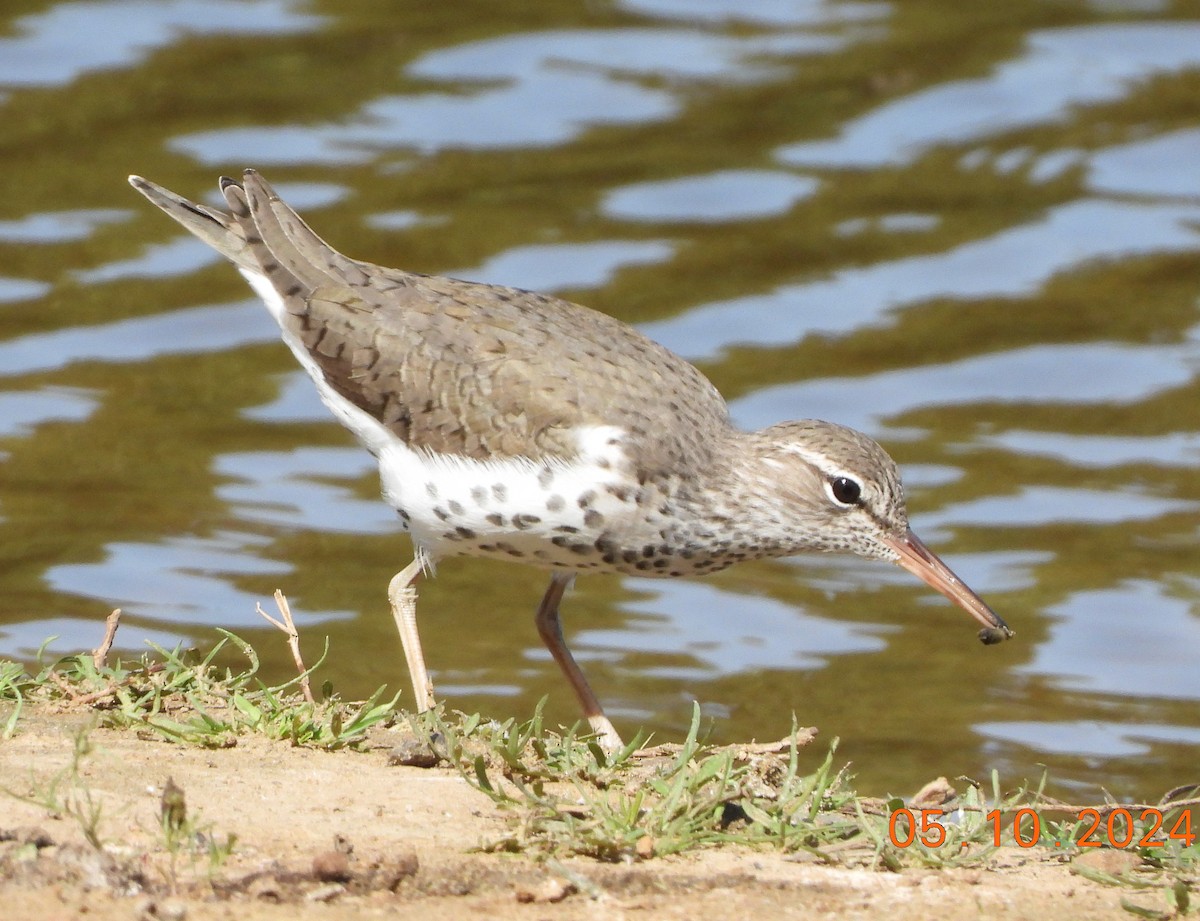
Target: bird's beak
925,565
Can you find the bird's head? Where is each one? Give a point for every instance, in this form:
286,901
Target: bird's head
839,490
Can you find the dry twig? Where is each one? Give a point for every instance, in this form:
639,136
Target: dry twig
100,653
90,698
288,626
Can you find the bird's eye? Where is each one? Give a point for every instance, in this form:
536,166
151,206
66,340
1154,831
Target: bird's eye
844,490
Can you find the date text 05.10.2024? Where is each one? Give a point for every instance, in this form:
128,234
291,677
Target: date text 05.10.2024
1114,828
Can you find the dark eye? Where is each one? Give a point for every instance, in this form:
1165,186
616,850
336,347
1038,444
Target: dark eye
845,490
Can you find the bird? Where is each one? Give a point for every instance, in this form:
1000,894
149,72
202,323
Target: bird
516,425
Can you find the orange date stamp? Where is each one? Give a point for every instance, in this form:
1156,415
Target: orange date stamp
1114,828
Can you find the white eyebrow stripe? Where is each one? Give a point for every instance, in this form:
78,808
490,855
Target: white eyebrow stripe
821,462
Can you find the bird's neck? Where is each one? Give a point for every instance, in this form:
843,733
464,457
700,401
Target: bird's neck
753,500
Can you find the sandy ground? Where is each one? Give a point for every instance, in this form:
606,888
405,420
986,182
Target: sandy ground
343,835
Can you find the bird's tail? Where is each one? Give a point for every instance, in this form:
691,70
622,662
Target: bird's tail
265,238
218,229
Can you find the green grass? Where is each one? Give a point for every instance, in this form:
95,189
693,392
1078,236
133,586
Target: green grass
181,696
564,795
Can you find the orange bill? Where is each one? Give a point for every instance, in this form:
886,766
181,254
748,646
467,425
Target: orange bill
925,565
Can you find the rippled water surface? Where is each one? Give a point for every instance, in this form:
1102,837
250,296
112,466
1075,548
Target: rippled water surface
971,230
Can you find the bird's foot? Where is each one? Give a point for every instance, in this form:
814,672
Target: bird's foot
606,733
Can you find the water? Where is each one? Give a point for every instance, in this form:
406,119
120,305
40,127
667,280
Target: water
970,231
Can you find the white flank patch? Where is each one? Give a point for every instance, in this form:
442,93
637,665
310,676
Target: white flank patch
423,484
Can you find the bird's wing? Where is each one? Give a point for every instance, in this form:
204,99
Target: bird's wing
458,367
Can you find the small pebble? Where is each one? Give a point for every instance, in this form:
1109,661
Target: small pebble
265,888
551,890
149,909
331,867
389,872
325,893
1108,860
28,834
934,793
413,752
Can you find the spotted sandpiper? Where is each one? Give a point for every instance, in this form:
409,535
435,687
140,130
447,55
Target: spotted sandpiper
516,425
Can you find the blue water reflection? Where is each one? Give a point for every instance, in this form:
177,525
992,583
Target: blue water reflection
1015,263
291,489
1103,642
184,580
1178,449
1078,375
70,39
23,410
534,90
1060,70
762,12
729,195
183,332
723,633
59,226
554,266
1095,740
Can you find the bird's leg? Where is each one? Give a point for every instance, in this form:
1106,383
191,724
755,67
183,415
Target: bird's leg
551,632
403,597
